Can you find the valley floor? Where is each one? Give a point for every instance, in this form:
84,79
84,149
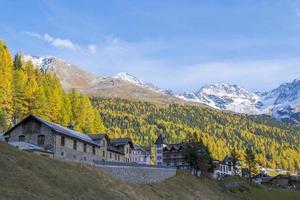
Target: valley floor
27,176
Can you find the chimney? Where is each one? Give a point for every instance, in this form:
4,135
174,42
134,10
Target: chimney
70,126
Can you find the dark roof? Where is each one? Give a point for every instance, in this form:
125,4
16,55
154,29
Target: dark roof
28,146
176,147
59,129
114,149
160,140
280,176
228,159
121,142
144,150
98,136
261,175
180,146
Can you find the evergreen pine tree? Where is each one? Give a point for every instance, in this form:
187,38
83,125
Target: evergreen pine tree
6,76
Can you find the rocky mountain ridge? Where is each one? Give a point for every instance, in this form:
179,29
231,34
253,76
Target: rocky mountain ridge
282,103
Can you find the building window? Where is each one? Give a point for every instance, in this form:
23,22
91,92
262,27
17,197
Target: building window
74,156
62,153
158,146
94,150
158,157
110,155
41,140
103,153
158,151
84,147
22,138
119,157
115,156
74,144
62,141
103,143
126,150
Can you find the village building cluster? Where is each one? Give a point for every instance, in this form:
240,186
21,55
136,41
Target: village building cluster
49,139
45,138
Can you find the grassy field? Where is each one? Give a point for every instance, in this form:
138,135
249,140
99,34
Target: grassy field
27,176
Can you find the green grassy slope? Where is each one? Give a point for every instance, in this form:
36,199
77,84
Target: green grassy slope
27,176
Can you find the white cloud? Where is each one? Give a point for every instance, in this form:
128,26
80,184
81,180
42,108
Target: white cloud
57,42
92,48
113,55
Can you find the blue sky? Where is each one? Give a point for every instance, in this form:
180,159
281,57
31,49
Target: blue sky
179,45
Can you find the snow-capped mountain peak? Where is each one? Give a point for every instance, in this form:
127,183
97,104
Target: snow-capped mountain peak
128,77
224,89
282,103
132,79
44,62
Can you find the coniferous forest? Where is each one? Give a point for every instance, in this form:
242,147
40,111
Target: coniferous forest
25,90
276,143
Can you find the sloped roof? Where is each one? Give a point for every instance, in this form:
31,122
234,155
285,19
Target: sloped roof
159,140
59,129
261,175
98,136
27,146
121,141
228,159
114,149
180,146
137,147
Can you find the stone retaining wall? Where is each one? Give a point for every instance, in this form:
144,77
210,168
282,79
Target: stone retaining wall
140,175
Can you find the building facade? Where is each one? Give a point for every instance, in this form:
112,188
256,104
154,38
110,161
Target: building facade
124,145
159,146
141,155
227,167
67,144
62,142
170,154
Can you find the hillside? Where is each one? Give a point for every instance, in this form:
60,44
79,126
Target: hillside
27,176
275,143
74,77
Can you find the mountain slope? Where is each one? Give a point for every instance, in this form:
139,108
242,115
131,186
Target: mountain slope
122,85
282,103
225,97
276,143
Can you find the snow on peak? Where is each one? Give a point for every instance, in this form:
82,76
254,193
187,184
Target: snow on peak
225,97
224,89
44,62
132,79
128,77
